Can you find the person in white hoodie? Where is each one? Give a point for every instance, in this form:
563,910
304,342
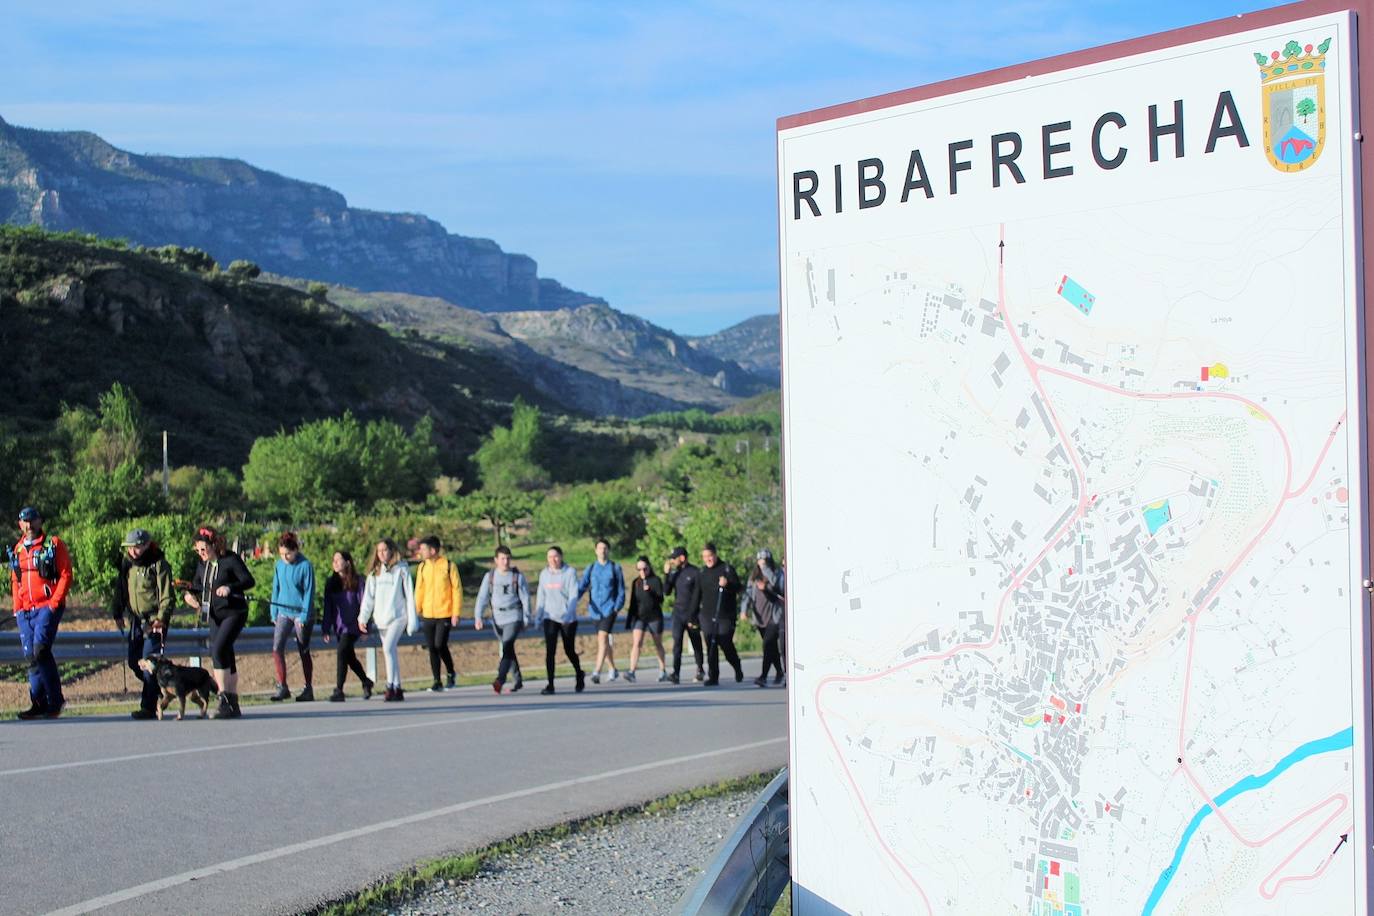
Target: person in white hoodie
389,601
507,593
556,607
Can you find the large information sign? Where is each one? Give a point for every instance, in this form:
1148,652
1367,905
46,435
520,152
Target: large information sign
1075,492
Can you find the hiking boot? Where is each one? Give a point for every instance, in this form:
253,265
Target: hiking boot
307,695
519,683
673,678
436,687
739,675
337,696
452,681
701,676
234,711
496,685
283,693
400,695
581,683
143,714
54,711
367,689
711,682
760,681
629,677
662,675
596,678
390,694
224,710
777,679
34,712
547,691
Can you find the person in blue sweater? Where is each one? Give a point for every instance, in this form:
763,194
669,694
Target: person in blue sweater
606,582
293,599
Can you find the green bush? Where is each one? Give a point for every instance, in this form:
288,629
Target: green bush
95,549
613,510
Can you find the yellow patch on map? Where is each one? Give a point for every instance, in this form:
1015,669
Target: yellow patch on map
1219,370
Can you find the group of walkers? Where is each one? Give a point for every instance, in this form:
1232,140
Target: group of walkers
385,599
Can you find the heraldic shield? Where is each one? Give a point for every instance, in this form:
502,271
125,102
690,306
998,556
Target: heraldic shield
1293,87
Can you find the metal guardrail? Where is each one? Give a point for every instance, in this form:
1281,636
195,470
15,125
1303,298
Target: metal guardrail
748,875
112,645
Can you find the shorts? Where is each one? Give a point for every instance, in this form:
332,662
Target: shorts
606,624
653,626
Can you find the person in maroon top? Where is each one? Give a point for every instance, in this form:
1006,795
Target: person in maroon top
343,596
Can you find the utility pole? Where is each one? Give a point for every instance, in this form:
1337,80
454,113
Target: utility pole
166,474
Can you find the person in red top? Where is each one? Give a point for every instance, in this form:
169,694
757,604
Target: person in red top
40,576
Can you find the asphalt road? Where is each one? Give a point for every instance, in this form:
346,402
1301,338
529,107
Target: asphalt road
298,803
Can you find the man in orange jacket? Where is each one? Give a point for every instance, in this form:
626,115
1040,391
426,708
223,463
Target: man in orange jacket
40,576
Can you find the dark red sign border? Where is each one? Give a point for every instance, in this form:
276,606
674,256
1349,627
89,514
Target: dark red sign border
1363,11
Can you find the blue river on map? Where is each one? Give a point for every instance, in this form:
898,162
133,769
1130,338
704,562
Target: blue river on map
1339,741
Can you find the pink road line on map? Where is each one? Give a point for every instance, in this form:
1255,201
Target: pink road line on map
1294,879
1034,369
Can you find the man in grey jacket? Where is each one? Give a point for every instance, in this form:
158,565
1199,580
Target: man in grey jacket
556,606
507,593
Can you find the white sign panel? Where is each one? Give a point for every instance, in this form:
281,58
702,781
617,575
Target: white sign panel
1074,497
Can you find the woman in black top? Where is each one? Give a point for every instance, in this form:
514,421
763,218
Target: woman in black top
217,591
645,606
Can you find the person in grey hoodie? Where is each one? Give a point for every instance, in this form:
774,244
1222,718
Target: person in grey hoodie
507,593
556,606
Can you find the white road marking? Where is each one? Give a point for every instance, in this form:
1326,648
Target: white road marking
162,884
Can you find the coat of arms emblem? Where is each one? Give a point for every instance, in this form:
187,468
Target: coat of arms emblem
1293,84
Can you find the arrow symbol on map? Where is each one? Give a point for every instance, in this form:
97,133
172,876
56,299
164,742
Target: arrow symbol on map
1344,837
1000,251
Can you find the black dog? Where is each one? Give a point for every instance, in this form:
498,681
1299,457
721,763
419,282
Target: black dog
178,682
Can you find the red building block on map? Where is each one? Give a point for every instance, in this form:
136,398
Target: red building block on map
1054,867
1206,372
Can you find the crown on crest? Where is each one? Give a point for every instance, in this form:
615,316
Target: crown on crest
1293,60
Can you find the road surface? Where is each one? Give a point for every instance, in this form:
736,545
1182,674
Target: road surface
298,803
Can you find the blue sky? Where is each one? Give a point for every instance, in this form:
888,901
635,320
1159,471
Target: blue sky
628,148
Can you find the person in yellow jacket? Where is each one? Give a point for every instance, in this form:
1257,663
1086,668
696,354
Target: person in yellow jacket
438,598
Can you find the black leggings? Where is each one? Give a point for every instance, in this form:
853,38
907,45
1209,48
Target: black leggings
436,638
693,636
509,633
552,630
722,640
772,655
346,659
222,636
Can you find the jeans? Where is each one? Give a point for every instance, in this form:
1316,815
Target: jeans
37,631
391,638
508,632
144,644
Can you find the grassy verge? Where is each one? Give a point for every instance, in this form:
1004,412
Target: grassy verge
379,897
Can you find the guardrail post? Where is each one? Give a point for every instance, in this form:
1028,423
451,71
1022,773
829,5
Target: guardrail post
371,663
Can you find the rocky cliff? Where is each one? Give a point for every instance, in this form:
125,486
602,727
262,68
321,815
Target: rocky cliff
753,343
75,180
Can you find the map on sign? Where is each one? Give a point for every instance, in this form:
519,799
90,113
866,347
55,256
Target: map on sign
1076,626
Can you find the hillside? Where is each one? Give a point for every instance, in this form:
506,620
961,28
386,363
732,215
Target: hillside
638,354
753,343
65,180
216,361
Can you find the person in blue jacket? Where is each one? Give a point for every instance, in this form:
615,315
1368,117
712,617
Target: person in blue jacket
293,601
606,582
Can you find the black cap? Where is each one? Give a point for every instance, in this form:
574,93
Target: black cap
677,552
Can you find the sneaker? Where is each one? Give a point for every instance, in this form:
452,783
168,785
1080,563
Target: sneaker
519,683
711,682
701,676
777,679
547,691
337,696
739,675
672,679
615,675
143,715
234,711
496,685
596,678
54,711
390,694
400,695
581,684
436,687
629,677
34,712
452,682
307,695
367,689
283,693
224,710
662,675
760,681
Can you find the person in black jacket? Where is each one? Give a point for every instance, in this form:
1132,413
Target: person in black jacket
719,592
217,592
683,582
644,605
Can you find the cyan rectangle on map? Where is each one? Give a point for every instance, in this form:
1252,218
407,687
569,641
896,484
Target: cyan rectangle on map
1076,295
